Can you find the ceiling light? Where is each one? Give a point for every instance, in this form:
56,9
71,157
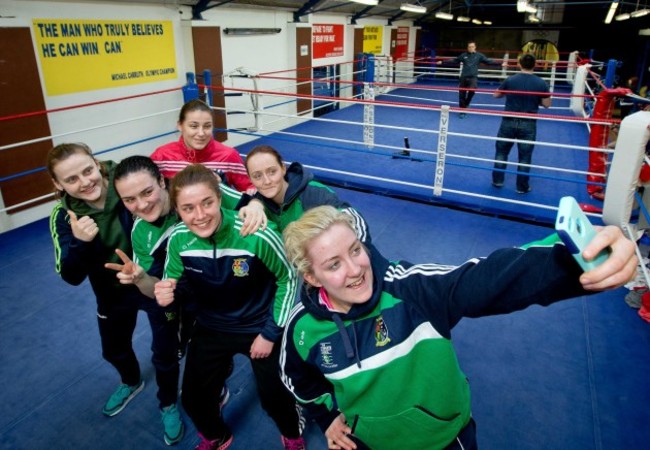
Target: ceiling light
521,5
463,19
487,22
640,13
367,2
444,16
533,18
611,12
621,17
476,22
418,9
530,9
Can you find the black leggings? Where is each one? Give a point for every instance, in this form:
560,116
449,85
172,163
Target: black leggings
117,322
209,356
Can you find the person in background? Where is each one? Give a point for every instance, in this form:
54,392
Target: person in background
471,61
243,289
288,192
87,225
535,93
197,145
365,324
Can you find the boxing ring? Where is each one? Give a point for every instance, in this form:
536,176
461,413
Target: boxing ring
361,140
584,344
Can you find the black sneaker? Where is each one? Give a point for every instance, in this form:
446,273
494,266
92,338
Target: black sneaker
525,191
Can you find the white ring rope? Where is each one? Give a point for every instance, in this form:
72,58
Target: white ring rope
394,127
26,202
98,127
423,107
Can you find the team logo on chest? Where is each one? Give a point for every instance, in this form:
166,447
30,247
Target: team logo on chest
327,360
381,332
240,267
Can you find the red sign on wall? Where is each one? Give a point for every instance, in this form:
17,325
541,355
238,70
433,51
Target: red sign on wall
327,40
402,42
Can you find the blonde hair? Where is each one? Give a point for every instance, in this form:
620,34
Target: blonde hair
298,234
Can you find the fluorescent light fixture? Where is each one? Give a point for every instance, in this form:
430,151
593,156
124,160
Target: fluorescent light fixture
444,16
611,12
251,31
417,9
521,5
487,22
367,2
463,19
476,22
621,17
640,13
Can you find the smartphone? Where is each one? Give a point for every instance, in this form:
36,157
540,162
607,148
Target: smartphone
575,230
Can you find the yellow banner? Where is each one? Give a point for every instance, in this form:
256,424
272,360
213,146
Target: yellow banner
372,39
85,55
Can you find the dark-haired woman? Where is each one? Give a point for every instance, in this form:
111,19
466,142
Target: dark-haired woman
197,145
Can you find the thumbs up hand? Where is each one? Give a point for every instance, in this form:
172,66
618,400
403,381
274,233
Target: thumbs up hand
84,229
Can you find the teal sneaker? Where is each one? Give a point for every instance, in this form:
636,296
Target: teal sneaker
121,397
174,427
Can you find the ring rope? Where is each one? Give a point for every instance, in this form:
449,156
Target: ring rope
82,105
98,127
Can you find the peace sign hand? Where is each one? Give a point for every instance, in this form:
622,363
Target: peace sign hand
127,273
84,229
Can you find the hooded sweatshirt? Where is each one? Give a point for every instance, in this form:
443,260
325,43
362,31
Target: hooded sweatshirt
389,364
75,259
305,193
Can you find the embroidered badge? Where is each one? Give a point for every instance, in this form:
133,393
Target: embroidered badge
326,355
240,267
381,332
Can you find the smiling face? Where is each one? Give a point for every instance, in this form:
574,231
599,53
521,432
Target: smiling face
79,176
340,264
196,129
143,195
199,208
267,174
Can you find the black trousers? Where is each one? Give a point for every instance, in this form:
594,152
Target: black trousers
209,356
465,96
117,320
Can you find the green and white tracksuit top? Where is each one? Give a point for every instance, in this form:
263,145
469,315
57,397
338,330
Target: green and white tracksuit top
305,193
240,284
389,364
150,238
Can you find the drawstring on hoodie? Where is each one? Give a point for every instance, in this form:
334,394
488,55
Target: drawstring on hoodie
347,343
